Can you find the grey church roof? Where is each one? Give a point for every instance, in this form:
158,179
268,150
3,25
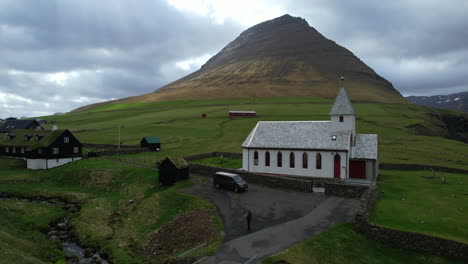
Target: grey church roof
296,135
366,147
342,105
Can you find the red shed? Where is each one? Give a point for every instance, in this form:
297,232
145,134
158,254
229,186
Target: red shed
242,113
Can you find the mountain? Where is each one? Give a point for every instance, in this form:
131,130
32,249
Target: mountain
283,57
458,101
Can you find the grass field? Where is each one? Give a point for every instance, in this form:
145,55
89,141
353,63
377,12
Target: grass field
104,189
224,162
341,244
411,202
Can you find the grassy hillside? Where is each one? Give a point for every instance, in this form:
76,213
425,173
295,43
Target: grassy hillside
106,219
407,133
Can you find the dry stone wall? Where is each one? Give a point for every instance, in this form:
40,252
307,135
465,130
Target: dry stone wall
403,239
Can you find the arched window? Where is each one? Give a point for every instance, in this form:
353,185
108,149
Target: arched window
267,159
318,161
280,160
305,160
291,160
341,118
256,158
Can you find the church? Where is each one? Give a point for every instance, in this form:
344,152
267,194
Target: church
324,149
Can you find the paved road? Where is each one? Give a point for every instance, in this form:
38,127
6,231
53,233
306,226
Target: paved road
280,219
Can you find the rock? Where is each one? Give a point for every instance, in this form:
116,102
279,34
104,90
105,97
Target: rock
88,252
96,260
130,202
62,226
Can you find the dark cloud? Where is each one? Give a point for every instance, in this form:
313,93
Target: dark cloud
60,55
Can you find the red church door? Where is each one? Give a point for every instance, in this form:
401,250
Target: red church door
337,165
357,169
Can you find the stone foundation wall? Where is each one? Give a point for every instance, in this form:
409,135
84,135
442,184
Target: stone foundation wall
283,183
345,190
403,239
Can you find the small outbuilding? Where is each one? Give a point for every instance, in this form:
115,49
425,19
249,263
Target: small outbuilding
152,143
173,169
242,113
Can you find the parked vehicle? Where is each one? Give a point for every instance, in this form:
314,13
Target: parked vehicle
229,181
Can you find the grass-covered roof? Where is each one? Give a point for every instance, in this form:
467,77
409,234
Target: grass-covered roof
46,137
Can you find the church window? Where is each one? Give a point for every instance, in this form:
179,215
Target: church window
318,161
267,159
280,159
341,118
256,158
305,160
291,160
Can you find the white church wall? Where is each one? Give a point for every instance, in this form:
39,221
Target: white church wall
245,159
327,170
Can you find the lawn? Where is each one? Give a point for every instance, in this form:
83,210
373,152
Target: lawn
341,244
104,189
411,202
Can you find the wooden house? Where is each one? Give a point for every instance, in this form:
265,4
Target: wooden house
11,125
242,113
173,169
152,143
41,149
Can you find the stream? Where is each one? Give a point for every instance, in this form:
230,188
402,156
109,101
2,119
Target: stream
60,231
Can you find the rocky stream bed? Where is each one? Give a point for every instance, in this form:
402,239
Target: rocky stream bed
61,231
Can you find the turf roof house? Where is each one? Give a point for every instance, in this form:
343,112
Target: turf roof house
328,149
41,149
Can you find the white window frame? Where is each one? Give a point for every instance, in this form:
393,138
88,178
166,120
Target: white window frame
22,150
76,149
39,151
7,149
55,150
13,150
66,140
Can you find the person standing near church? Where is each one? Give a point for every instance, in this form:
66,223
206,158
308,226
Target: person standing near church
248,217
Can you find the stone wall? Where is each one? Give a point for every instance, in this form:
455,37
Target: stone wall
255,178
213,154
403,239
391,166
107,146
115,152
345,190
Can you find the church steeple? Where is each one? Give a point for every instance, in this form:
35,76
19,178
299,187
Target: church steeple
343,117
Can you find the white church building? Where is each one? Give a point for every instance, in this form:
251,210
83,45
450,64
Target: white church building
328,149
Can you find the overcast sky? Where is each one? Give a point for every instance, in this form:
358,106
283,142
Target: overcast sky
56,56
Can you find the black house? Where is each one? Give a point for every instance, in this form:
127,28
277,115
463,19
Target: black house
173,169
11,125
152,143
42,149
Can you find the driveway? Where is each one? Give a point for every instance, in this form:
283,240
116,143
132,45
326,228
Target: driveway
280,219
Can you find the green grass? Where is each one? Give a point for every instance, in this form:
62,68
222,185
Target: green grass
225,162
104,190
412,203
23,228
341,244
